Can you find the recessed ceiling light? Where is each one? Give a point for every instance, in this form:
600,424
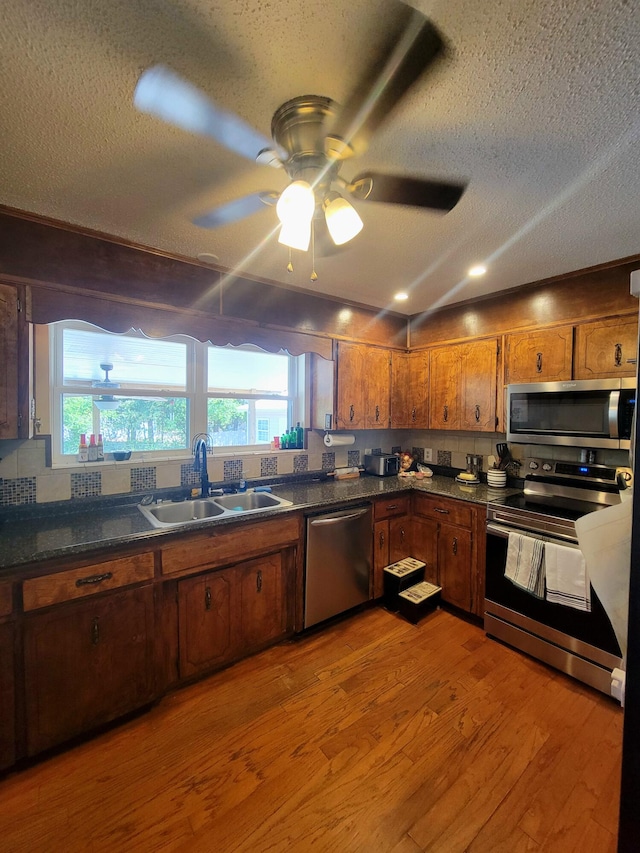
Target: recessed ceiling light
401,297
208,258
477,270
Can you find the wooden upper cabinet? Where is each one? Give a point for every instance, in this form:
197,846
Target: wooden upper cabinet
603,349
377,381
444,385
463,381
410,390
478,375
542,356
351,384
14,365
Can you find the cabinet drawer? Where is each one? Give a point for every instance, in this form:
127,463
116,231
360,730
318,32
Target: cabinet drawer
445,510
6,603
390,507
230,545
88,580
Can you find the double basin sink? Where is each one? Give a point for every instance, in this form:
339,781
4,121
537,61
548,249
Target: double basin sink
186,512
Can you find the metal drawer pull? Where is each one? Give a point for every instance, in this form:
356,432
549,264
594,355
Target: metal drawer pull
381,539
477,413
618,355
402,533
207,598
351,413
413,414
443,511
94,579
377,413
259,581
95,631
455,545
392,506
446,413
539,362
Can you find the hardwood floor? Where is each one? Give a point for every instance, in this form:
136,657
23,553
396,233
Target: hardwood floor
373,735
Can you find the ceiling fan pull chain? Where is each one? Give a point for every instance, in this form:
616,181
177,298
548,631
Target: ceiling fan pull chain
289,265
314,274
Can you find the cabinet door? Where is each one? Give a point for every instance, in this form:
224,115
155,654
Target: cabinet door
399,538
377,388
543,356
400,390
454,565
604,348
418,403
478,386
351,383
207,624
87,663
380,555
7,695
262,612
444,388
14,366
425,546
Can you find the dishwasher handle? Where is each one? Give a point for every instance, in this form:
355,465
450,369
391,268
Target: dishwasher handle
338,519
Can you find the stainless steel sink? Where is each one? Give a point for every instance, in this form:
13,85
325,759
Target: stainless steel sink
188,512
248,501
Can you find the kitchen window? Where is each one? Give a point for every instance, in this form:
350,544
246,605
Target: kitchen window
155,394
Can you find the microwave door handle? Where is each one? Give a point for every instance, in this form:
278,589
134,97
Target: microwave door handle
614,406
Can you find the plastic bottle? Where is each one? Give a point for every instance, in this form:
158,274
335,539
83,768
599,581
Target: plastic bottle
93,449
100,446
83,450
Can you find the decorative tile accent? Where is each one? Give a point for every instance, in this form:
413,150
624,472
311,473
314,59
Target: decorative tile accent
232,469
18,490
444,457
143,479
329,461
418,453
188,477
353,458
268,466
86,484
396,449
300,463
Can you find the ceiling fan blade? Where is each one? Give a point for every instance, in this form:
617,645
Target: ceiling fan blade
413,45
164,94
237,209
398,189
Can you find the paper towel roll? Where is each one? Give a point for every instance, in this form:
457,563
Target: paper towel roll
339,440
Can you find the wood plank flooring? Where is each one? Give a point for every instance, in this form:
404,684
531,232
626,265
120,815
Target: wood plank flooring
372,735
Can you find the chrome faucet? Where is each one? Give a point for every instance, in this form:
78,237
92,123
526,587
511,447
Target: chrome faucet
200,445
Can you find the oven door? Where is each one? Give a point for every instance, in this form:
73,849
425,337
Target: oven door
582,644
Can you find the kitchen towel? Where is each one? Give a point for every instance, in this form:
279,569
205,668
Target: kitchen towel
605,540
524,565
338,440
567,578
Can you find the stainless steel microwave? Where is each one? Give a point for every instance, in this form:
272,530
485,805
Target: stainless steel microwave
589,413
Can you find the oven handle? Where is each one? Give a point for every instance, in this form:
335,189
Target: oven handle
504,532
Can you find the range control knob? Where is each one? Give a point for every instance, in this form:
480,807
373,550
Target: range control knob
546,466
533,465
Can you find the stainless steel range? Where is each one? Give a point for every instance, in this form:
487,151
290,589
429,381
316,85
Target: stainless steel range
582,644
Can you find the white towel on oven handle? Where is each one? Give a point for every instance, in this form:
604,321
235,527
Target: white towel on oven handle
524,566
566,574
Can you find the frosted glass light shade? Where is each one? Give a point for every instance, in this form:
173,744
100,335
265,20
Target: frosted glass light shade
342,219
296,234
297,202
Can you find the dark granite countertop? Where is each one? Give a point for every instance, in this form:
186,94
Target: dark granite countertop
30,535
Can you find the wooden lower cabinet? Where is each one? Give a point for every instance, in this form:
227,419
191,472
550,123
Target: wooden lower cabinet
391,536
225,614
87,663
454,565
7,695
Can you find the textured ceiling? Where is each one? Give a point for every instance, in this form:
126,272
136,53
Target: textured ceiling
537,105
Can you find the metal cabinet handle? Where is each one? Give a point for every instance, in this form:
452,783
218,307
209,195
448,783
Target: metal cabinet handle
94,579
402,533
352,413
443,511
259,581
392,506
539,362
618,355
445,413
95,631
207,598
477,413
381,539
413,414
455,545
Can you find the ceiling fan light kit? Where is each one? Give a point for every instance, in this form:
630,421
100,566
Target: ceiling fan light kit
311,139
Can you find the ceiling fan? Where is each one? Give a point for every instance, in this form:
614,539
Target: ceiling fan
311,139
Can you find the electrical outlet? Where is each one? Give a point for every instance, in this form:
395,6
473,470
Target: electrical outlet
367,451
428,454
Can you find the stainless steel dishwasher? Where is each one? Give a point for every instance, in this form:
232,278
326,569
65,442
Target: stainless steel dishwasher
338,562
